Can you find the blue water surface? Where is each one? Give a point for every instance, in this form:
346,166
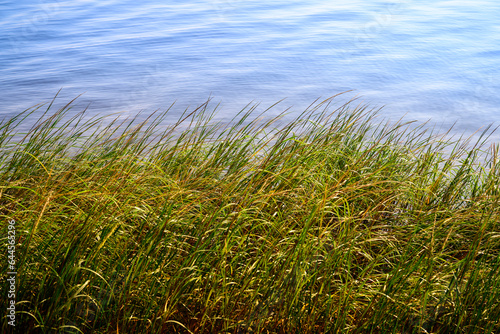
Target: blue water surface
435,59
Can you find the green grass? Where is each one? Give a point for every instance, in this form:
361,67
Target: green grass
333,222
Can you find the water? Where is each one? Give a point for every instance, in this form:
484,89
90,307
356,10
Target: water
435,59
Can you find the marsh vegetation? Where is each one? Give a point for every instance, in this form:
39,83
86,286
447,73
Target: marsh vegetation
335,221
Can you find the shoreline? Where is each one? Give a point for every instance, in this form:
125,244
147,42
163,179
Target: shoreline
330,222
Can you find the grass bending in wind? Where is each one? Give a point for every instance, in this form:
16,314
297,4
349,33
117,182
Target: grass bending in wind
333,222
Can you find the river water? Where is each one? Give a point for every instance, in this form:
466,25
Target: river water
436,60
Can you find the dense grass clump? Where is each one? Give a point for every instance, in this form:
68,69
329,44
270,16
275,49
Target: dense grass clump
333,222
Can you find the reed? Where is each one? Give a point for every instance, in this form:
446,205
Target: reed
332,222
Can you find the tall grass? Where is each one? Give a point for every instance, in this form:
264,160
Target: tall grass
333,222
